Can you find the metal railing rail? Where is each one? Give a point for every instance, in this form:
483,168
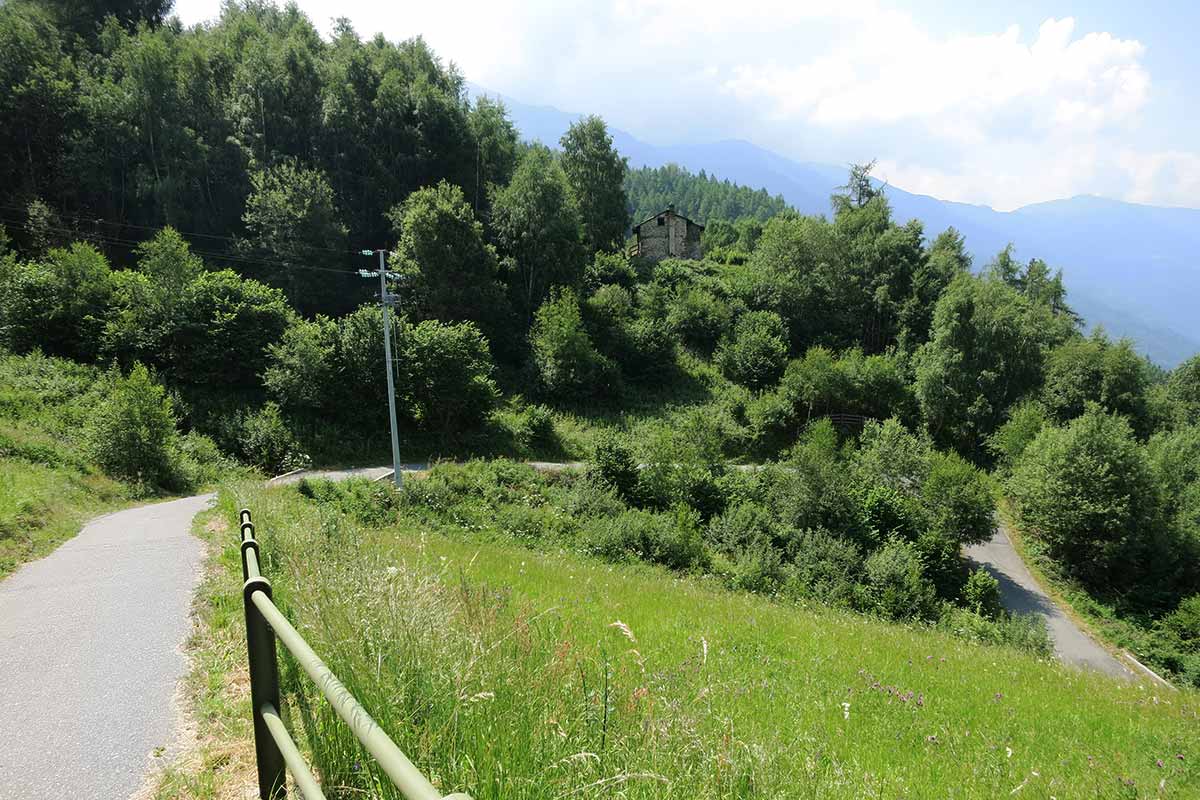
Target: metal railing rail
275,751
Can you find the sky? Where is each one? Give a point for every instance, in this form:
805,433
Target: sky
1002,104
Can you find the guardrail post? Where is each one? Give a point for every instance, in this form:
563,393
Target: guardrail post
264,678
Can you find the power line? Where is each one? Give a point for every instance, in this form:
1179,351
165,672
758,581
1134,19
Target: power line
216,256
99,221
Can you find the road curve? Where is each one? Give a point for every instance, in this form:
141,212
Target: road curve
91,654
1020,592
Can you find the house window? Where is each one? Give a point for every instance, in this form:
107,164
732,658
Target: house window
662,221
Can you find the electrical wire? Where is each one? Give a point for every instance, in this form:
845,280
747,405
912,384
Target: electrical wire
215,256
99,221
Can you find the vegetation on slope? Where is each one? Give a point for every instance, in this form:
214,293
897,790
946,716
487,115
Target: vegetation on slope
510,672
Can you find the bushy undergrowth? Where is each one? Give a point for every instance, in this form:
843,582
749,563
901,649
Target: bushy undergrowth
75,441
510,673
754,530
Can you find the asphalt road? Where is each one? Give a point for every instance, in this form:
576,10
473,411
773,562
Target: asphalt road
91,653
1020,591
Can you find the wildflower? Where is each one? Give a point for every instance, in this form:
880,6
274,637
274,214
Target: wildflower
1158,763
845,710
932,738
704,650
391,571
1008,752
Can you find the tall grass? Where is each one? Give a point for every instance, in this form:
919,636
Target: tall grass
510,673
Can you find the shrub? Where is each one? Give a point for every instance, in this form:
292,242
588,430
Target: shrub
958,500
825,568
671,539
1184,621
446,375
891,456
372,503
267,443
683,465
590,496
888,513
1025,422
756,354
981,594
1087,492
896,585
1025,632
564,359
614,463
131,433
758,568
699,318
743,526
201,462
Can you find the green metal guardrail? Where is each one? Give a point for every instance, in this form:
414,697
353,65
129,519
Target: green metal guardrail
274,749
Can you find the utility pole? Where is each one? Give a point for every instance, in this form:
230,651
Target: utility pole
387,300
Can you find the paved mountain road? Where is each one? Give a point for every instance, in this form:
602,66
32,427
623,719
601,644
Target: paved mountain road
91,640
1020,591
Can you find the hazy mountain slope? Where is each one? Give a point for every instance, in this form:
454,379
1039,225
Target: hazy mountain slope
1131,268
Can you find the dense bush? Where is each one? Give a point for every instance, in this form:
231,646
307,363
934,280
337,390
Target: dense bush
1088,493
896,585
699,318
266,441
564,358
131,432
672,540
756,353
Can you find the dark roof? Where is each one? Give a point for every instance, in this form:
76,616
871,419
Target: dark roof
667,211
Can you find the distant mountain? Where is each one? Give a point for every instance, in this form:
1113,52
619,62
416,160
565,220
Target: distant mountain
1134,269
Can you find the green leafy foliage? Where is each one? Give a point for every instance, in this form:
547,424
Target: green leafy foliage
1088,492
596,173
131,433
756,353
564,358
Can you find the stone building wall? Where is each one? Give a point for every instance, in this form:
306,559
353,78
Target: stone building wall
676,237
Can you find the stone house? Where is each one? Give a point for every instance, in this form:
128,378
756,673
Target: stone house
667,234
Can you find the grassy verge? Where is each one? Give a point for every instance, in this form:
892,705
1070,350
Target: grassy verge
218,758
42,506
508,672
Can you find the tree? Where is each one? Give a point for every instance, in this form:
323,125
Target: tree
450,270
756,354
537,227
496,143
1183,386
58,304
986,351
226,326
564,358
1088,493
446,375
1095,370
131,431
293,224
596,174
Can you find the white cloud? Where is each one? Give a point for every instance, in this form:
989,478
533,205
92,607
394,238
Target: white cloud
1003,117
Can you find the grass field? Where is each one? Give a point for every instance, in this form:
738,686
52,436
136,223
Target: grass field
514,673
